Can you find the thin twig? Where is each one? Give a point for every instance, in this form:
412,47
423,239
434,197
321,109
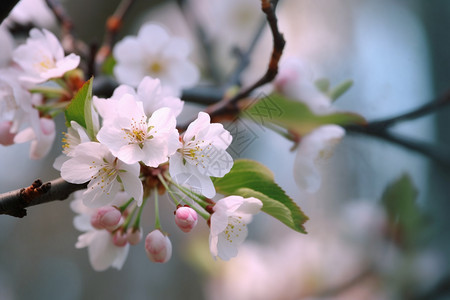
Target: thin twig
421,147
14,203
212,69
113,25
69,42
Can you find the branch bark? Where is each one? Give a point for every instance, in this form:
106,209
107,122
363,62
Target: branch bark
14,203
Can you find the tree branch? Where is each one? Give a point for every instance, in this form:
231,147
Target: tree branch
229,105
14,203
113,25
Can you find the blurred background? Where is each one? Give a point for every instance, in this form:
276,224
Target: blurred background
397,53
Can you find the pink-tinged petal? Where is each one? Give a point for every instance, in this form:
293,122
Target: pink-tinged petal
112,138
158,247
82,222
306,174
229,204
122,50
202,121
121,90
85,239
76,171
159,38
213,241
132,185
103,253
156,152
219,221
219,135
6,137
216,162
96,196
163,119
42,146
25,136
131,154
226,249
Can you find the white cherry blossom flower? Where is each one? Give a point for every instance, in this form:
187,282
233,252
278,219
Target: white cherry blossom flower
203,154
7,42
229,224
15,101
153,52
295,81
42,57
314,149
132,136
151,93
107,175
103,253
41,133
31,12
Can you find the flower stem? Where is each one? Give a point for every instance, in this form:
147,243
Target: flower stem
137,221
128,219
123,207
164,183
194,196
157,222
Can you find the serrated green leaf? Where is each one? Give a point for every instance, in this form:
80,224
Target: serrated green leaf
295,115
338,91
323,85
249,178
399,200
80,108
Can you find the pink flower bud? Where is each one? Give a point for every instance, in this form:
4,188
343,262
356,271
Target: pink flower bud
106,217
186,218
158,246
134,236
120,239
6,137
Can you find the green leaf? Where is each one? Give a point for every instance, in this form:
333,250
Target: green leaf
323,85
108,65
295,115
340,90
399,200
80,108
249,178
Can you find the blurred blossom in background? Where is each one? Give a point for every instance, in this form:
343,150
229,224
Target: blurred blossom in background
396,52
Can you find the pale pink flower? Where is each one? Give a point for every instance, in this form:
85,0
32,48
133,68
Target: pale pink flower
158,246
42,57
103,253
106,217
106,174
132,136
229,224
314,149
154,53
295,81
7,42
203,154
134,236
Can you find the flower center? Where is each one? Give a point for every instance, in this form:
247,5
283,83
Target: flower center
45,64
235,230
196,152
107,173
155,67
138,132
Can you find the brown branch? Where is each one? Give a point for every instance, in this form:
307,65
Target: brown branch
229,105
69,42
113,25
14,203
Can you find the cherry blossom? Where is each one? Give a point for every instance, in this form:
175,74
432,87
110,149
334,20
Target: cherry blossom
203,154
107,175
158,246
155,54
229,224
7,42
133,137
151,93
42,57
103,253
313,150
186,218
295,80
